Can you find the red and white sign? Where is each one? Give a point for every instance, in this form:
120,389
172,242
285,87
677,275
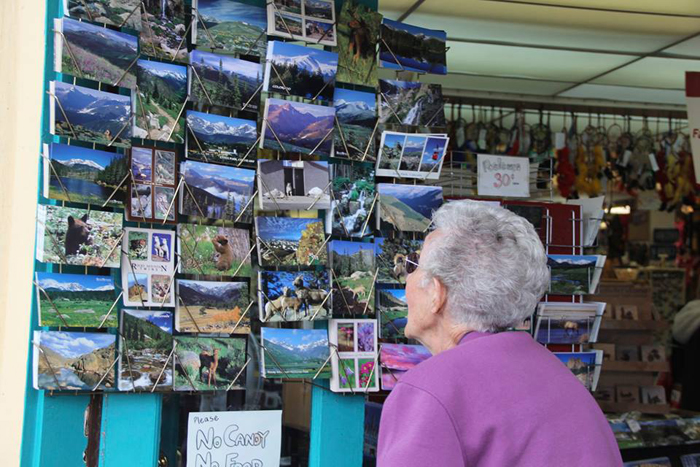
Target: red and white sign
692,99
503,176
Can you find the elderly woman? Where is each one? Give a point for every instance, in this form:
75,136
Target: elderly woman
487,397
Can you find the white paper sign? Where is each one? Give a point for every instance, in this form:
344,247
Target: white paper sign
234,439
503,176
693,104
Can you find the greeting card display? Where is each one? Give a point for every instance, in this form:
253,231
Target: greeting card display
153,185
148,267
354,361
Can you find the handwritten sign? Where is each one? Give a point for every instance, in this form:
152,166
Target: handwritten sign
503,176
234,439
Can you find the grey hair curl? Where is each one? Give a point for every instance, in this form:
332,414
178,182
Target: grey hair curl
491,262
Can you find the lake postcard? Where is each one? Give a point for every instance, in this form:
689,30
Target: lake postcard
76,300
226,81
230,27
220,139
80,175
407,208
412,48
297,127
290,241
295,353
147,343
73,360
392,312
574,274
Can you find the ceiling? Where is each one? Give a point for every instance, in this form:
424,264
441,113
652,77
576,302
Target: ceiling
576,51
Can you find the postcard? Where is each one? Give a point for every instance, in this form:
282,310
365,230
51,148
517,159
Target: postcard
295,70
145,346
411,48
408,155
354,355
608,351
290,241
285,296
392,254
627,312
390,151
210,250
291,185
358,33
212,307
225,81
653,353
80,361
356,112
411,103
153,185
217,192
353,272
303,20
392,312
568,323
88,51
297,127
627,394
219,139
605,394
295,353
80,175
158,101
397,359
584,365
574,274
353,201
76,300
78,236
210,363
626,353
148,267
163,30
89,115
655,395
124,13
407,208
229,27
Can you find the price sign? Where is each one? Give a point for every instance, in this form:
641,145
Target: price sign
503,176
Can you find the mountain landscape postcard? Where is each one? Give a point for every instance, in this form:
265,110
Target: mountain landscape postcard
433,156
407,208
293,295
391,258
295,70
148,267
78,236
357,57
88,51
290,241
210,363
210,250
290,185
89,115
212,307
158,100
80,175
574,274
297,127
397,359
145,349
76,300
73,360
217,191
357,115
412,48
163,29
392,311
353,269
224,140
124,13
411,103
409,155
352,201
295,353
230,27
225,81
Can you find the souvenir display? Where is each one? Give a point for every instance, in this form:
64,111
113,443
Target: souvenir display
358,34
353,200
144,350
297,127
412,48
209,363
294,70
304,20
353,274
225,81
295,353
163,29
212,307
229,26
148,267
219,139
293,296
154,175
356,114
288,185
354,359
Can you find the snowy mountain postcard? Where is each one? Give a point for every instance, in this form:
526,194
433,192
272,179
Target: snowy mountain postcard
295,353
224,140
357,116
295,70
297,127
226,81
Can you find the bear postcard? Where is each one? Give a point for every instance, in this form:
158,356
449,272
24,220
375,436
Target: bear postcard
148,267
210,250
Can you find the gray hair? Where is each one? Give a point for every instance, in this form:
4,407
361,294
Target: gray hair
491,262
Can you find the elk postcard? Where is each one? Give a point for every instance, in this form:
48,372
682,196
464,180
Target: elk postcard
297,127
80,361
357,115
353,271
80,175
147,340
225,81
148,267
88,51
78,236
220,139
213,251
358,34
212,307
124,13
295,70
76,300
290,241
90,115
293,296
290,185
407,208
230,27
353,201
163,31
295,353
210,363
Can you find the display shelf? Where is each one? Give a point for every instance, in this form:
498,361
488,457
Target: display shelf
622,407
629,325
636,366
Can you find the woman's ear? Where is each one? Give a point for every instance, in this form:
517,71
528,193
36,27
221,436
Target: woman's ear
439,292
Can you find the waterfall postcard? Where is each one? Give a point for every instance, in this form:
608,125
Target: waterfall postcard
210,363
230,27
210,307
293,296
411,103
290,241
163,29
148,267
145,346
353,201
210,250
353,271
291,185
220,139
295,353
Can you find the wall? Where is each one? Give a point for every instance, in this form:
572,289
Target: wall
21,62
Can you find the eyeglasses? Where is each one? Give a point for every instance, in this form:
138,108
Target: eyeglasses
412,262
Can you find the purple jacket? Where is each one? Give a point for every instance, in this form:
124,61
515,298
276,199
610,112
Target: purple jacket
495,400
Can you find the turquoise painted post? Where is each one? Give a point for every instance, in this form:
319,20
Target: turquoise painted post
64,443
130,430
